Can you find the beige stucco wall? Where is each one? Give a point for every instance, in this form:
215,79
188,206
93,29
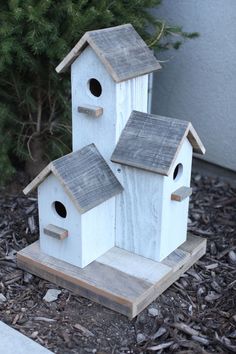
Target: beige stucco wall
198,82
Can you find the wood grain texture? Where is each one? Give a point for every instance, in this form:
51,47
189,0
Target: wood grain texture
85,176
196,251
122,51
91,111
151,142
97,282
139,212
103,283
175,215
86,239
55,231
134,265
117,100
181,194
148,222
38,179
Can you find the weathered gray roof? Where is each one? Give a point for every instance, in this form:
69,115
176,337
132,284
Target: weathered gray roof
152,142
85,176
122,51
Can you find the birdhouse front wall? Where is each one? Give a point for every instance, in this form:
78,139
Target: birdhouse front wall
70,248
87,73
89,235
175,214
93,87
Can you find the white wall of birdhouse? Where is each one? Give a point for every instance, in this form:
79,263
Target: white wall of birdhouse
148,222
89,235
175,214
116,99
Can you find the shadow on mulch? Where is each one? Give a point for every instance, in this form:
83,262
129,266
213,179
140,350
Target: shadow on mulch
197,314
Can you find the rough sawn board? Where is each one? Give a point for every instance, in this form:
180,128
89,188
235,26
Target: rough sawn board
119,280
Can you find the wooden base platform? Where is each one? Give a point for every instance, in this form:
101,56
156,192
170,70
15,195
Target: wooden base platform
119,280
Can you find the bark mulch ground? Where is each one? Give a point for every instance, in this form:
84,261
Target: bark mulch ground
197,314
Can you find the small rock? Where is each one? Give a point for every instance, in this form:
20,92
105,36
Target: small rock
232,257
52,295
196,216
213,249
197,178
140,338
28,277
153,312
2,298
212,296
34,334
142,319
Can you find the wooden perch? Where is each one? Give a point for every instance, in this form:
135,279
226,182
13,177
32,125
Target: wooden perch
92,111
181,194
55,231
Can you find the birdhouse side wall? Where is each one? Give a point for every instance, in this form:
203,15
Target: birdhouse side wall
139,212
98,231
175,214
70,248
87,129
130,95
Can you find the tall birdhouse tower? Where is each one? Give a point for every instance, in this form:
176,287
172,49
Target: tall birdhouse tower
109,79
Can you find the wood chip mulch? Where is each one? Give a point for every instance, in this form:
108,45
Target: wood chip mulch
197,314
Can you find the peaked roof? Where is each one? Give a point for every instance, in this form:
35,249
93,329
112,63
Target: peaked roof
85,176
152,142
122,51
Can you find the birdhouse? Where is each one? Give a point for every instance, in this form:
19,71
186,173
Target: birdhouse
113,214
75,195
109,79
155,154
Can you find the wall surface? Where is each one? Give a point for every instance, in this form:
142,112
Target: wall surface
198,82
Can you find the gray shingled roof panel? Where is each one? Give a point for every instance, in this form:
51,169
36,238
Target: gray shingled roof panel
122,51
151,142
87,177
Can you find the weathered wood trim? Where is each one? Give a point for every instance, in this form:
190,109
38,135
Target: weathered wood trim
142,68
197,248
111,287
73,54
181,194
56,232
91,111
37,180
194,139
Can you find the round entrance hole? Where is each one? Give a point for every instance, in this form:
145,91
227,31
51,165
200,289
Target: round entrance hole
60,209
95,87
178,172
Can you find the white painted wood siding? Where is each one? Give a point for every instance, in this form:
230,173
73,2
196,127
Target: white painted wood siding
130,95
87,129
175,214
117,101
139,212
148,222
89,235
69,249
98,231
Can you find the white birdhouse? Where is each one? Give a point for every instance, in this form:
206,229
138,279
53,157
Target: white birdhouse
156,157
120,200
109,79
75,198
